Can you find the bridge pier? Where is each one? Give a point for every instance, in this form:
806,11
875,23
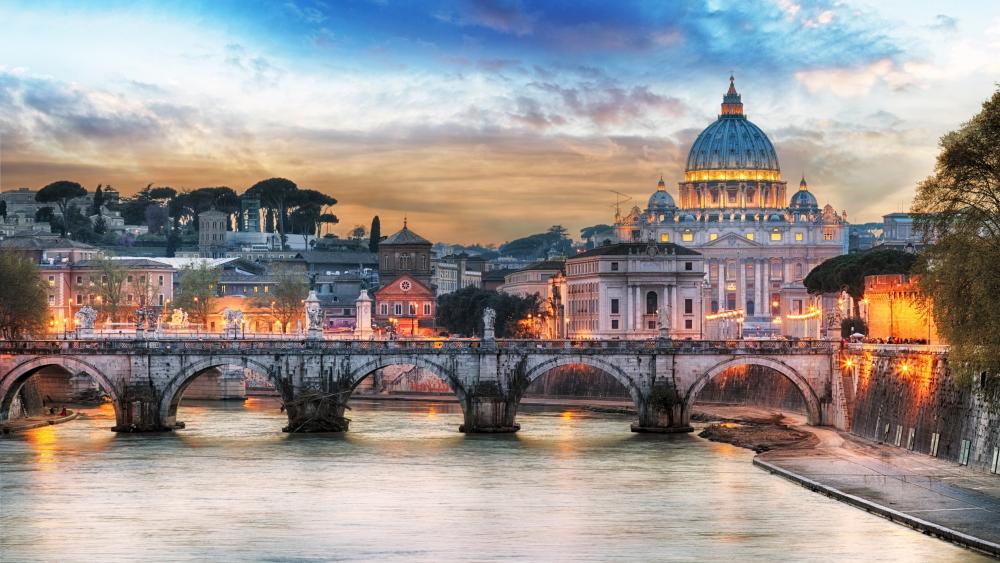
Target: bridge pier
663,411
137,409
317,411
489,415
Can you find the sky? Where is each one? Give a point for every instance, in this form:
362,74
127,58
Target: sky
484,121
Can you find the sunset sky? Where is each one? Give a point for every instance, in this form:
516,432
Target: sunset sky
483,121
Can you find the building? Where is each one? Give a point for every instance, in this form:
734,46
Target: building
892,310
212,227
455,271
249,218
494,279
75,277
896,231
758,244
546,279
405,253
634,290
406,307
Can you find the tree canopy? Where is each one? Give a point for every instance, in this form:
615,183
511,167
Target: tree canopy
284,301
848,272
958,210
374,234
22,297
196,291
60,192
461,312
539,246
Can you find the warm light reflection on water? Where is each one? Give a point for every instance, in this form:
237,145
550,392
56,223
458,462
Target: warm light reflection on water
405,485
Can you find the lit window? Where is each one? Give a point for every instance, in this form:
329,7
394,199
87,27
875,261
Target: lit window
828,235
749,236
775,235
687,236
713,236
798,237
664,237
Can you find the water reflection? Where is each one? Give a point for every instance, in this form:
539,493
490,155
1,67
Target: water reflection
404,485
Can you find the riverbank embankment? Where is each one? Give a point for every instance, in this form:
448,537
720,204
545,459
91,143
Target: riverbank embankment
31,422
937,497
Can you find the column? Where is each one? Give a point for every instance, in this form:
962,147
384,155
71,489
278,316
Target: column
759,285
722,284
741,284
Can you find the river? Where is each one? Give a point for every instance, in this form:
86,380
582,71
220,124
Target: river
403,484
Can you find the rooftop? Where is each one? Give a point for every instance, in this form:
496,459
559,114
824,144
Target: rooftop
404,236
627,248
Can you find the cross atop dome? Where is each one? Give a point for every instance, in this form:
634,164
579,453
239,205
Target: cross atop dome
803,185
732,103
661,185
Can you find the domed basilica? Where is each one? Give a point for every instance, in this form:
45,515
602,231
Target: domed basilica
733,208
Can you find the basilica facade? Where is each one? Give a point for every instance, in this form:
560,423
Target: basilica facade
733,207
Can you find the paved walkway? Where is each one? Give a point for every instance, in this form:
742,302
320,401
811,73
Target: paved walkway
932,495
22,424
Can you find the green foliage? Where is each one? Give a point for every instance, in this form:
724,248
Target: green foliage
374,234
60,193
960,207
95,208
274,194
848,272
22,297
539,246
285,298
852,325
111,289
461,312
196,291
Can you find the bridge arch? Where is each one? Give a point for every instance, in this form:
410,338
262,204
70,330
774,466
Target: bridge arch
174,389
12,381
447,374
598,363
813,410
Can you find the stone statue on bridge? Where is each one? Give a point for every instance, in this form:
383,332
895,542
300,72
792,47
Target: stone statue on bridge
85,319
233,318
178,318
489,319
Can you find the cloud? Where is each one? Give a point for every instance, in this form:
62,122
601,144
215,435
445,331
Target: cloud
943,23
606,105
504,16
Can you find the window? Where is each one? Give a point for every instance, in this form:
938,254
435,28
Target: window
614,266
614,307
775,235
688,324
398,309
798,237
52,281
161,300
689,306
161,280
687,236
384,309
104,280
427,309
128,299
614,324
688,266
749,236
713,236
267,288
129,279
79,279
664,237
52,300
651,303
79,299
412,309
827,234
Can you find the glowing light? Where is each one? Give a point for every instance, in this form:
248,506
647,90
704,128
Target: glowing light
567,415
848,363
904,367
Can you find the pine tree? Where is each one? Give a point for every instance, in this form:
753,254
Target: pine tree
375,234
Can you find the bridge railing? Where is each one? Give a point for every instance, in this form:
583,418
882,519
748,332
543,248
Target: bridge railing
898,348
104,345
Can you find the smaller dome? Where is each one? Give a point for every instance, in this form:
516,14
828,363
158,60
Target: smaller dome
661,198
803,199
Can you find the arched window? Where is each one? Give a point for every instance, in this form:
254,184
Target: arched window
651,303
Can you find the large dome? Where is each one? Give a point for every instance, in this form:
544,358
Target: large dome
733,147
661,199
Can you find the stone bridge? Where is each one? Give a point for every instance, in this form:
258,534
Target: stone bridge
146,378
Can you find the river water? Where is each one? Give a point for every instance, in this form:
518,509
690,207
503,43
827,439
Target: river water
403,484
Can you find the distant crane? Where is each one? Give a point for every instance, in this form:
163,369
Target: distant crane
619,200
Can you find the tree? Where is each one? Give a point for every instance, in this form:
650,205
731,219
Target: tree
328,219
22,297
43,215
60,193
100,225
197,291
111,290
3,209
275,193
847,272
461,311
539,246
958,211
358,232
95,208
156,218
286,297
307,211
374,234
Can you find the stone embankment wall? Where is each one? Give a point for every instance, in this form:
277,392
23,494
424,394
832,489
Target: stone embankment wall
757,386
909,399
